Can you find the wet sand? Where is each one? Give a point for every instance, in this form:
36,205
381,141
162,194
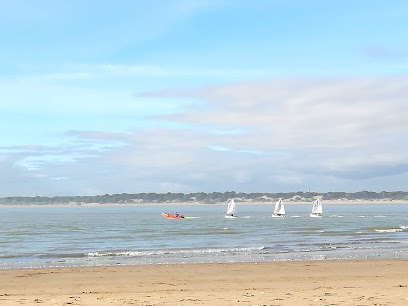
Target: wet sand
343,282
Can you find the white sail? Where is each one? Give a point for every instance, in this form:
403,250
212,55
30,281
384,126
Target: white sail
279,209
317,209
231,210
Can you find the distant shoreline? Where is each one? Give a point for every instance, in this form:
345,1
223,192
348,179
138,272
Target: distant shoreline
169,204
212,198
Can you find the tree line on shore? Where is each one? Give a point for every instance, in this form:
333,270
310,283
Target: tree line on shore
207,198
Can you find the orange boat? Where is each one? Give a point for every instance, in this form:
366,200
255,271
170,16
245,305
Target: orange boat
172,216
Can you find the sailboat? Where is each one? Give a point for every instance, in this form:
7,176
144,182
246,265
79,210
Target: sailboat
279,211
231,209
317,209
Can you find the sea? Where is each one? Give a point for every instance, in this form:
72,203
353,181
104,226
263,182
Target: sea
78,236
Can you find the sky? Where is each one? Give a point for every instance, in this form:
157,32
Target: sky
104,97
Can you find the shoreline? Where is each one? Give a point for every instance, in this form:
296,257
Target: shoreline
247,203
337,282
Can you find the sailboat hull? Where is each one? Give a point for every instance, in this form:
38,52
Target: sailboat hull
315,215
278,216
230,217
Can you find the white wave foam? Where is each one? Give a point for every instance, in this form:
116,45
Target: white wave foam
392,230
162,252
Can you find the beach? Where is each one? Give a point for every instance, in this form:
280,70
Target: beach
337,282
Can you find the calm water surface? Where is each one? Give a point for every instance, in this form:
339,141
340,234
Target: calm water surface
120,235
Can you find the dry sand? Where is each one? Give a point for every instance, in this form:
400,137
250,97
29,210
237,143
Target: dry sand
346,282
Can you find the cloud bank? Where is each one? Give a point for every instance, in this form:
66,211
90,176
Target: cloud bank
278,135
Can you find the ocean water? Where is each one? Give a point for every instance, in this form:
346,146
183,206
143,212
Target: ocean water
32,237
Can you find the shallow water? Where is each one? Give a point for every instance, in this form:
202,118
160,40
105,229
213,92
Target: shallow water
117,235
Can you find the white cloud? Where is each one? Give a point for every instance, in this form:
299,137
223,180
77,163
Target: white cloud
324,113
346,123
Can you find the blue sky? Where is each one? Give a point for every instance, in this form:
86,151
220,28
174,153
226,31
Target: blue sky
183,96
